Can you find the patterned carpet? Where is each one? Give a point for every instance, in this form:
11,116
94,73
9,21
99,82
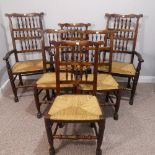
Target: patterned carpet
21,133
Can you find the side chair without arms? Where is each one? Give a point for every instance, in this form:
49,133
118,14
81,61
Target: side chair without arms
75,108
124,63
26,43
105,81
47,81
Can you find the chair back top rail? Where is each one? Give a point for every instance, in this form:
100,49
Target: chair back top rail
124,16
75,26
24,14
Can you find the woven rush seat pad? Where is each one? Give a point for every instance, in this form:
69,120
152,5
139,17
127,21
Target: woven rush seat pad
120,68
28,66
104,82
75,107
48,80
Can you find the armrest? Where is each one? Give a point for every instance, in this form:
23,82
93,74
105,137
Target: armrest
140,59
8,54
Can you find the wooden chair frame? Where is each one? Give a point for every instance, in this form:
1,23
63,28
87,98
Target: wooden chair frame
25,39
51,134
126,27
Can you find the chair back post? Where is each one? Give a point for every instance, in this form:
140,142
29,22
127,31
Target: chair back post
12,35
57,64
136,34
41,32
42,41
95,69
111,50
41,20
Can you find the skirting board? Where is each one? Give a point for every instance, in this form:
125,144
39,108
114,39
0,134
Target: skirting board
146,79
142,79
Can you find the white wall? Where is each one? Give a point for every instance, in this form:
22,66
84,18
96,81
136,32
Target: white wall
3,50
93,11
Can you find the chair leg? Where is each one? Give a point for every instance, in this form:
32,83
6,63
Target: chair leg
53,93
128,84
48,126
92,125
107,97
100,136
117,105
61,125
20,80
13,86
48,94
39,114
135,81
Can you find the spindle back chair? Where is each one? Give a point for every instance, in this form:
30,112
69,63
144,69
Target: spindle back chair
75,108
47,81
26,42
126,61
105,82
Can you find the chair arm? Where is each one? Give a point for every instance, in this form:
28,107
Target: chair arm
139,56
140,60
8,54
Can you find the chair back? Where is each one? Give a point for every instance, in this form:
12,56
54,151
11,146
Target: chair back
25,37
125,38
74,57
74,30
58,35
105,49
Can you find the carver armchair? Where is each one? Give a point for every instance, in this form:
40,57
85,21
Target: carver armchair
26,42
126,61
